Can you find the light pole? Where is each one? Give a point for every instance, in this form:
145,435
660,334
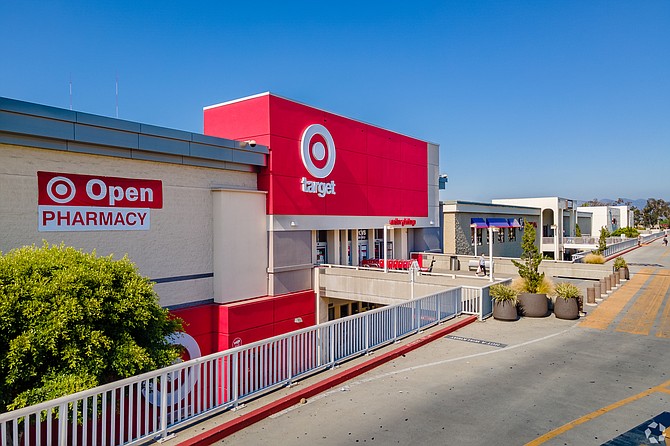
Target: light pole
491,231
555,228
474,237
412,270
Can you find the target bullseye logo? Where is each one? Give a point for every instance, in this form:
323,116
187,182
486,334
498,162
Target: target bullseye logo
317,145
61,190
317,150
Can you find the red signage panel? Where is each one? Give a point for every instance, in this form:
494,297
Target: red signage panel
68,189
325,164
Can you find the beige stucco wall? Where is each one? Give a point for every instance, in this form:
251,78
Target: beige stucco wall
449,233
179,242
240,245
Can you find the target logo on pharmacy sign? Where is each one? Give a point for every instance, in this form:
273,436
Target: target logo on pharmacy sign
73,202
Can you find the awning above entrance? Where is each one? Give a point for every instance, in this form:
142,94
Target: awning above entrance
498,222
478,223
514,223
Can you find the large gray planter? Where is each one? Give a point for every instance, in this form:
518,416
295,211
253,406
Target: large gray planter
625,272
505,310
566,308
533,305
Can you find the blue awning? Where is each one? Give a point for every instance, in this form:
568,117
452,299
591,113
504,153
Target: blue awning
498,222
478,223
514,223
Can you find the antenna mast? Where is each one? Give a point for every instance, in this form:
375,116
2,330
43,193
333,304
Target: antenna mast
117,96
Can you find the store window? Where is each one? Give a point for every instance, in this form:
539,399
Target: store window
478,233
511,234
501,236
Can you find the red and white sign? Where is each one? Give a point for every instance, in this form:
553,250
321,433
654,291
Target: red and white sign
377,173
73,202
317,150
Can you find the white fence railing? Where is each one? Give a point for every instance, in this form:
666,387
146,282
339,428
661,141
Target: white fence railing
584,240
477,301
622,244
146,407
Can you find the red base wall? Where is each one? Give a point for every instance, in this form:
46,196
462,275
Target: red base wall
217,327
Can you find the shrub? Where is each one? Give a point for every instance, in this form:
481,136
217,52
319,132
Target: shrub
567,290
619,263
627,231
594,258
503,293
71,321
545,287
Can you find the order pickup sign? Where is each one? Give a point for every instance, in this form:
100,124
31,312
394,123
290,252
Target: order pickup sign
72,202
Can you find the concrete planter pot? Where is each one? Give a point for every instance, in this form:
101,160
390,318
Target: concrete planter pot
566,308
505,310
624,273
534,305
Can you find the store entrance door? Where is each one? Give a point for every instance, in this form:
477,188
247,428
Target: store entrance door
362,245
379,253
321,252
362,252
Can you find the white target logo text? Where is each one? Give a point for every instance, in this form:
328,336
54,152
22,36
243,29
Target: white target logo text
317,150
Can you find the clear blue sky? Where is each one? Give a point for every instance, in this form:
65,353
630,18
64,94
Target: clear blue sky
525,98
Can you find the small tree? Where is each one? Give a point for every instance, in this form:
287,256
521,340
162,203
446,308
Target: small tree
71,321
531,259
602,241
578,231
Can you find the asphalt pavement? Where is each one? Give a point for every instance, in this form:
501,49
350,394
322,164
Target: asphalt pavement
602,379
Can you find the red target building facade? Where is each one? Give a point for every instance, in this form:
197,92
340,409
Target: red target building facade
231,224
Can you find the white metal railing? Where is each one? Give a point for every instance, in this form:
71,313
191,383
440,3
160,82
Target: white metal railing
621,244
584,240
477,300
648,238
624,245
146,407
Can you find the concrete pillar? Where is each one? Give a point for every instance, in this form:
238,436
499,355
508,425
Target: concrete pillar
597,291
371,243
354,247
334,246
344,246
314,238
403,251
603,287
321,304
590,295
391,237
608,284
617,279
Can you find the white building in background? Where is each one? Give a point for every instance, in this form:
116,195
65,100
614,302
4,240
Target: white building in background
608,217
626,217
558,218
